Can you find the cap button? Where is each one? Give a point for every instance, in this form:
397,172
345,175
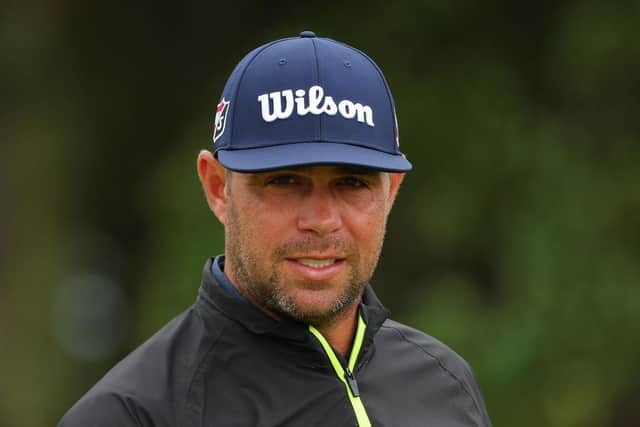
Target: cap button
307,34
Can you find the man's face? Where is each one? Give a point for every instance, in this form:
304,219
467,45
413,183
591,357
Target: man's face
304,242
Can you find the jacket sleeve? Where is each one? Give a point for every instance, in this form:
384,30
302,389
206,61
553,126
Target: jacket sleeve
105,410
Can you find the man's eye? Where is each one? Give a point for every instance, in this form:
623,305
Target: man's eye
283,180
352,181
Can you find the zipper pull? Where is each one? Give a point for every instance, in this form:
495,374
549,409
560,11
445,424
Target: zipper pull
351,380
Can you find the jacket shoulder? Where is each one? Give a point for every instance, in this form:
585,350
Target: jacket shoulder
430,347
420,344
151,385
105,409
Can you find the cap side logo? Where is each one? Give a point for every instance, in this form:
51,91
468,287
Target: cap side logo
221,119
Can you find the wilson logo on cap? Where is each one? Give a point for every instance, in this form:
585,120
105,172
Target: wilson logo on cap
282,104
221,119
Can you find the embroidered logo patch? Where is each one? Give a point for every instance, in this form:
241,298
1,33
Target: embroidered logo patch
221,119
282,104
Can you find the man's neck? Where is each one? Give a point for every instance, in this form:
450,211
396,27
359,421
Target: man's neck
339,331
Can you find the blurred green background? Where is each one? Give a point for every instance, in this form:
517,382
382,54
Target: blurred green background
516,239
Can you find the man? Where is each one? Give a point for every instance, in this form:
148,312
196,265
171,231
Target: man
286,330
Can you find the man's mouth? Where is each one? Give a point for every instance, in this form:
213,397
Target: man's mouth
316,267
316,263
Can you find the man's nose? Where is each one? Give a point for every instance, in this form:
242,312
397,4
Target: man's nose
319,212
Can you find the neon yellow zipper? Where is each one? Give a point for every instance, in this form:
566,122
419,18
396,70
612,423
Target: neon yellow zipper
346,375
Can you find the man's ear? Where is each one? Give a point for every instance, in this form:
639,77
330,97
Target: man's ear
213,177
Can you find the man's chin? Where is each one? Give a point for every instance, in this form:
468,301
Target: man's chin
314,309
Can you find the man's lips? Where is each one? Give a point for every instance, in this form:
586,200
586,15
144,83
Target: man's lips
316,261
316,268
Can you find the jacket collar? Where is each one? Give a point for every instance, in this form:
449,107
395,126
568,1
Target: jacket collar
211,294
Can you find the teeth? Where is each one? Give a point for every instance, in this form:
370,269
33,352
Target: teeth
317,263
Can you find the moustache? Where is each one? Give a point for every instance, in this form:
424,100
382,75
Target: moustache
310,244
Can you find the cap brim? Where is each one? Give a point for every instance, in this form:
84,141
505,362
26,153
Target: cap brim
310,154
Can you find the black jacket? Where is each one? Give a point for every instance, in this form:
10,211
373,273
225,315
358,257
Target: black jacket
224,363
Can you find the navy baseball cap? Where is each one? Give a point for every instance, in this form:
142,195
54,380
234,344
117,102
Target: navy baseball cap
305,101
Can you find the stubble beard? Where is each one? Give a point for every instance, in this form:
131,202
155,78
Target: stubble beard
265,288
